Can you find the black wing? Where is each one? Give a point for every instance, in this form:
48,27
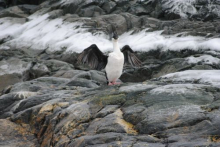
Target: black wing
130,56
93,57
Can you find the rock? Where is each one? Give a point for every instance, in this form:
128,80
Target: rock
202,2
216,2
116,18
16,135
21,2
11,101
105,115
13,71
2,4
67,74
75,6
39,70
48,99
139,10
109,6
55,14
39,84
9,79
28,9
69,58
107,110
94,75
56,65
210,17
136,75
158,10
13,12
91,11
12,53
82,83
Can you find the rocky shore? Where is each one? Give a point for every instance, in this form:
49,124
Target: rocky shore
49,100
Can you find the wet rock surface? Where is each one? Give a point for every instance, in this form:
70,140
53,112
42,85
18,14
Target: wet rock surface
48,99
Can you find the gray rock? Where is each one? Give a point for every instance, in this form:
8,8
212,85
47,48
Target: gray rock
12,71
173,65
42,83
82,83
91,11
109,6
13,12
29,9
68,74
105,115
56,65
20,2
94,75
69,107
39,70
2,4
136,75
107,110
14,135
141,10
55,14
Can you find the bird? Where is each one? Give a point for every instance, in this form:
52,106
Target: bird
112,63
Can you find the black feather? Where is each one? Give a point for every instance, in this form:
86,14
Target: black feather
93,57
130,56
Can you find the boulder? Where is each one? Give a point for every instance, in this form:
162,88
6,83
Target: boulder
16,135
29,9
13,71
82,83
21,2
91,11
109,6
56,65
2,4
14,11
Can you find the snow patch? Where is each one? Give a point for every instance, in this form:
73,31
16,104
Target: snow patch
43,33
25,94
202,76
7,28
208,59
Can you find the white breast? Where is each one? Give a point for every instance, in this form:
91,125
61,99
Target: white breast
114,66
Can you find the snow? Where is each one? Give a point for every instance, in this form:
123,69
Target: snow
7,28
42,33
202,76
208,59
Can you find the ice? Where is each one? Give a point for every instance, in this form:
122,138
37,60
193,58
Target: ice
202,76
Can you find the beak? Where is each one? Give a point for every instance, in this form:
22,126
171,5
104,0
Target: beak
115,35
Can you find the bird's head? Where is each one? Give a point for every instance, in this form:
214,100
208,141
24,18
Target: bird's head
114,36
